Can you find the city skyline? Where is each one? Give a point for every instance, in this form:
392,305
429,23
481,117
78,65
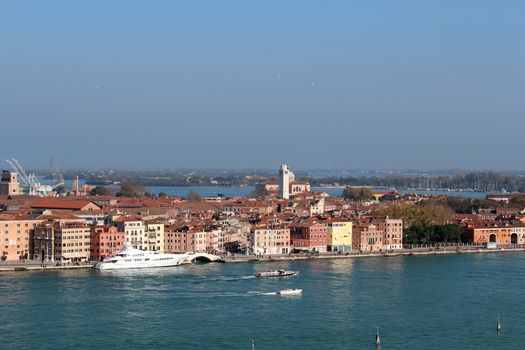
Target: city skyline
380,85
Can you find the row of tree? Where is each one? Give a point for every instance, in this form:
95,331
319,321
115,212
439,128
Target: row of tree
483,181
428,234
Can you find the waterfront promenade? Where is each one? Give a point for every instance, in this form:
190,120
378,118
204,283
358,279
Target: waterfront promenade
31,265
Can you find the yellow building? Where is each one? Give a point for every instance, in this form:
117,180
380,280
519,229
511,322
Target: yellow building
339,235
154,231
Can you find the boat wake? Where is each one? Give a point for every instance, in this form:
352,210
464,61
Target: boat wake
205,279
262,293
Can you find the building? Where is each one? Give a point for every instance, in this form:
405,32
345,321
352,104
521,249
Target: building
16,233
178,239
155,236
297,187
9,183
105,241
272,186
287,186
339,234
502,233
393,232
202,241
367,238
309,237
134,229
62,242
269,240
285,177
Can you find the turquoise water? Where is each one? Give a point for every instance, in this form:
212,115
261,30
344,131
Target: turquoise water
433,302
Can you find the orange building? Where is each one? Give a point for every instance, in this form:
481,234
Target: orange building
499,232
16,232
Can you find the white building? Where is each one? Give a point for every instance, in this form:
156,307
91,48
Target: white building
285,177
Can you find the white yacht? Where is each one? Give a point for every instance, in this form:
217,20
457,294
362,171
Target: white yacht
131,258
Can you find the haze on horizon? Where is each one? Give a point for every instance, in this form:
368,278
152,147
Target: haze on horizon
236,84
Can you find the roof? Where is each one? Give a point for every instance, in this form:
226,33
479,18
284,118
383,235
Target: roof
15,217
62,204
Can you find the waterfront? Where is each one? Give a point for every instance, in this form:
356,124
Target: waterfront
431,302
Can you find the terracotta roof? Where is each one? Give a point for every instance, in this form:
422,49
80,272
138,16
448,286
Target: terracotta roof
61,204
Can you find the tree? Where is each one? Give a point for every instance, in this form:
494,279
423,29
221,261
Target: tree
357,193
162,195
440,213
99,191
411,214
131,190
448,233
259,191
418,234
194,196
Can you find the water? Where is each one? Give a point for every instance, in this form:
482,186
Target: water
231,191
432,302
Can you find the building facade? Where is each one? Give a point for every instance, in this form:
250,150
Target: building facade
285,177
309,237
339,235
393,233
155,236
367,238
16,232
496,232
62,242
9,185
269,241
106,241
135,231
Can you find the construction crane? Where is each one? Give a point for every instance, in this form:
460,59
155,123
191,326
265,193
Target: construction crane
58,178
31,183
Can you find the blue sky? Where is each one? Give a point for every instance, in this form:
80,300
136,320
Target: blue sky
245,84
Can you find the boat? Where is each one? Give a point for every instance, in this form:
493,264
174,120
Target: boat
276,273
290,292
131,258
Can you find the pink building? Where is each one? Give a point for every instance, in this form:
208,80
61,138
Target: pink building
105,241
309,237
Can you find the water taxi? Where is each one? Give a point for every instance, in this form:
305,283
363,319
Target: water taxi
290,292
276,273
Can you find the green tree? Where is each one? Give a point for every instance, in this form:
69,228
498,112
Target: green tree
162,195
448,233
419,234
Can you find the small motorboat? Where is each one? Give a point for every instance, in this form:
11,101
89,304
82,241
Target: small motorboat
276,273
290,292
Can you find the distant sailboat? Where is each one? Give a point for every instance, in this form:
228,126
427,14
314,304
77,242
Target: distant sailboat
253,344
378,340
498,325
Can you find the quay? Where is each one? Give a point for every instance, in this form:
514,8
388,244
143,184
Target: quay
31,265
447,250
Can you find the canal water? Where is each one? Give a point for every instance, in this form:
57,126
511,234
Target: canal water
429,302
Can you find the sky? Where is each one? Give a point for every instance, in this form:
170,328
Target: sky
370,84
